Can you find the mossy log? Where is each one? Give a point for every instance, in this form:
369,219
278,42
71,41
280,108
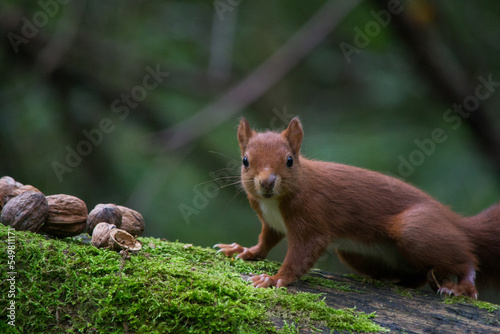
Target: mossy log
403,310
68,285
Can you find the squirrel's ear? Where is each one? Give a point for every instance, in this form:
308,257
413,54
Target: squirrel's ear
294,134
244,134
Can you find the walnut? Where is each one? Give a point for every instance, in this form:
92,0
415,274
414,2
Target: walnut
121,239
100,235
26,212
8,180
104,213
27,187
11,181
9,189
132,221
7,186
67,216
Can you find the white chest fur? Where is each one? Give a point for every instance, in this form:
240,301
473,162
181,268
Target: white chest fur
272,215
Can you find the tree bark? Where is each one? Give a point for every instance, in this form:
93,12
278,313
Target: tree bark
403,310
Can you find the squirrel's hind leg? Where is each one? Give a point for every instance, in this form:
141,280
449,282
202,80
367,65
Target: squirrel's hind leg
431,238
465,285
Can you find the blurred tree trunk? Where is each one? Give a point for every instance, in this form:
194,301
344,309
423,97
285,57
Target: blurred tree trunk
453,79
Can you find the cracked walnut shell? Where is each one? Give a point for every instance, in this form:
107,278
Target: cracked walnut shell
121,239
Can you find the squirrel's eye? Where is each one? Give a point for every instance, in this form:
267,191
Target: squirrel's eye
245,161
289,161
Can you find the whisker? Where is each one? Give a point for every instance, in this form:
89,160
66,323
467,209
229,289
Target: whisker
230,184
227,169
237,194
226,177
239,182
224,155
222,178
241,189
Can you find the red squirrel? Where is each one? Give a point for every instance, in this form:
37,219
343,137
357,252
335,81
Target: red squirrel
380,226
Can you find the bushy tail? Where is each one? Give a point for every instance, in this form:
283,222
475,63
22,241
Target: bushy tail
484,229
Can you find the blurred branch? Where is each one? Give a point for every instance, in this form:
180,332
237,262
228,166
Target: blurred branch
447,74
262,78
56,57
63,38
221,46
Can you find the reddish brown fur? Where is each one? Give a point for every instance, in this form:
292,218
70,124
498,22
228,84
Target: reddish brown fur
325,202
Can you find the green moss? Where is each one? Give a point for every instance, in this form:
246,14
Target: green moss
466,300
289,329
320,281
404,292
70,286
368,280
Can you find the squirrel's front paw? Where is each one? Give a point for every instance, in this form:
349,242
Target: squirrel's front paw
265,281
244,253
229,250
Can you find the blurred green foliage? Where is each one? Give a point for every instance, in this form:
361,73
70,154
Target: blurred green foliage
368,113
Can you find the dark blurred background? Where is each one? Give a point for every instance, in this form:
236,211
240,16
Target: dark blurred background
137,102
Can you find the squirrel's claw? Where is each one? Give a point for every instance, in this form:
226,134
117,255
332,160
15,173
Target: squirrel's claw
266,281
229,249
458,291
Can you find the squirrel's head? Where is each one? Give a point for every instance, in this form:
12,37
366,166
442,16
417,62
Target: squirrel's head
270,160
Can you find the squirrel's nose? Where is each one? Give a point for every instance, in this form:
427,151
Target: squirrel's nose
269,182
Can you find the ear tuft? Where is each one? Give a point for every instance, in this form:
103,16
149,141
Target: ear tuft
244,134
294,134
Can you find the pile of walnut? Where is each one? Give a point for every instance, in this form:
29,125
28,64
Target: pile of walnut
25,208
